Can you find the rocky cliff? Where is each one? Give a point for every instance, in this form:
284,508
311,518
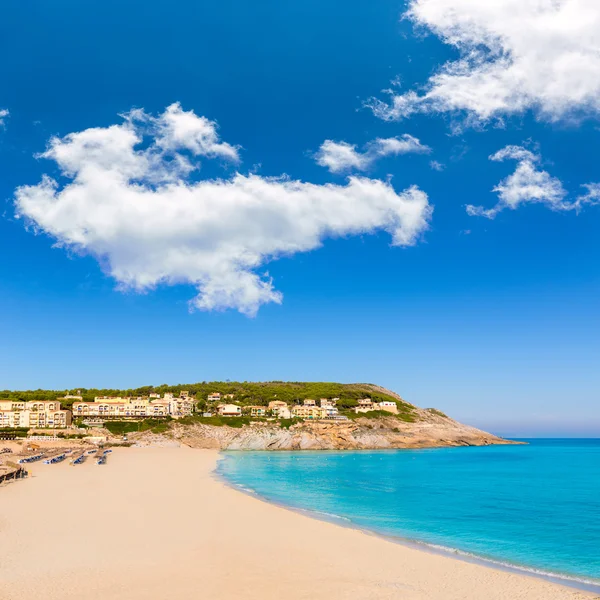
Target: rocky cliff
429,428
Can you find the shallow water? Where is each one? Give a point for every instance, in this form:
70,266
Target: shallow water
534,506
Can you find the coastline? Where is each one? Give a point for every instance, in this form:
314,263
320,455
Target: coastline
419,545
78,533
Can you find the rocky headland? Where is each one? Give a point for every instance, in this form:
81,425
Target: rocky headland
413,427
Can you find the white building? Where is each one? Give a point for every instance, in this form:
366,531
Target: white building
229,410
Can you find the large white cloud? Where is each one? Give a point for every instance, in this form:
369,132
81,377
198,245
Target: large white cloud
531,184
340,157
129,200
515,55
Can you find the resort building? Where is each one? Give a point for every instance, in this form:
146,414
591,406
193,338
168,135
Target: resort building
111,399
37,414
276,404
329,412
105,407
12,419
302,411
365,405
214,397
309,402
388,406
229,410
181,407
48,414
280,409
257,411
325,402
12,405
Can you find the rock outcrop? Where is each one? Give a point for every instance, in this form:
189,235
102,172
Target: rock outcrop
429,431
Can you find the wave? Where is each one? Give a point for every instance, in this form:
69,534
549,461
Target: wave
591,584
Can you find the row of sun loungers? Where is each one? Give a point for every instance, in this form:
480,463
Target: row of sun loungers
78,460
101,460
56,459
30,459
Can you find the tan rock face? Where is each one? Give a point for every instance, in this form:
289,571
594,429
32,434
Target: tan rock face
387,432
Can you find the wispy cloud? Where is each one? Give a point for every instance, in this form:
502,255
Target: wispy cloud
3,114
129,201
530,184
340,157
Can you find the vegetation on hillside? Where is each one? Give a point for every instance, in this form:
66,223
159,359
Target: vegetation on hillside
246,393
123,427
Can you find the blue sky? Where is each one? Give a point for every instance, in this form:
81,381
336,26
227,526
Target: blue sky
493,320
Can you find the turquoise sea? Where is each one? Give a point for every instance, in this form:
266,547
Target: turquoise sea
535,507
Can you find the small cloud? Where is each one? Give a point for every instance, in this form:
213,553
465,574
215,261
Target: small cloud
3,114
530,184
437,166
340,157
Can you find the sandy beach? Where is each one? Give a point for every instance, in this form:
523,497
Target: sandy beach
154,523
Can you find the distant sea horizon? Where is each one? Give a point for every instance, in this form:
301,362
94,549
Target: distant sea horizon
534,507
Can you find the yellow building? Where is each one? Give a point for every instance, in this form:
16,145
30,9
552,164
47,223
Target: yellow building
116,407
12,419
38,414
257,411
307,412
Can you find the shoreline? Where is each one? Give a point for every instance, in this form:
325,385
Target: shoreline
570,581
158,522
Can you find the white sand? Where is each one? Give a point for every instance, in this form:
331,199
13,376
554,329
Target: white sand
155,524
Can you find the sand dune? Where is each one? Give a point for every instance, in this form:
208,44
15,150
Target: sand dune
154,523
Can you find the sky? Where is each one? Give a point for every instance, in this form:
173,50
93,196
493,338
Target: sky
404,193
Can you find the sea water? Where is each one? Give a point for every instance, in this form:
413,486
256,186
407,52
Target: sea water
535,506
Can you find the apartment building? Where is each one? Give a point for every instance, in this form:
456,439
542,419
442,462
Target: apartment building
257,411
229,410
302,411
37,414
280,409
181,407
326,402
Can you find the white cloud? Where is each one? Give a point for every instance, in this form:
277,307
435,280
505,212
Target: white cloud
591,197
528,184
3,114
129,201
177,129
515,55
436,165
340,157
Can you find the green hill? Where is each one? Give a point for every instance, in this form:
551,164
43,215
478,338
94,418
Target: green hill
246,393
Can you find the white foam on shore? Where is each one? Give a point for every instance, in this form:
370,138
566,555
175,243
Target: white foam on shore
581,583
